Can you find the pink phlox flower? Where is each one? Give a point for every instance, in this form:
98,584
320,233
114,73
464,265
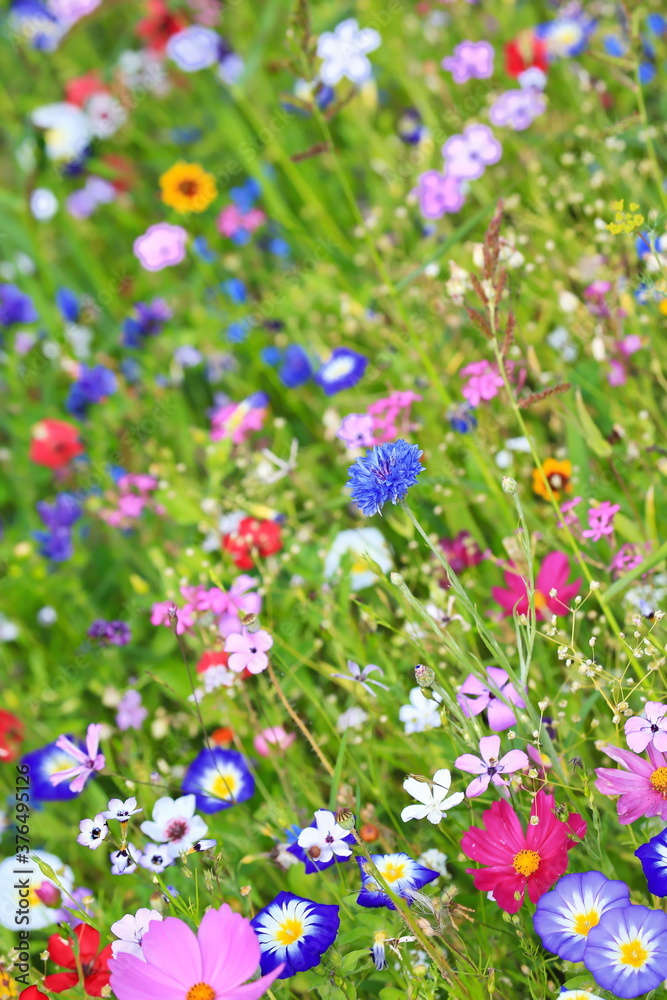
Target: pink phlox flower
160,615
228,425
474,696
131,505
552,575
640,783
248,651
271,739
640,732
628,557
489,768
565,508
356,430
86,761
232,221
391,416
630,344
601,520
484,381
617,374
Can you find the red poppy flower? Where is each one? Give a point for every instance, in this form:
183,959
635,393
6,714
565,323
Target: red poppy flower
96,972
11,735
54,443
81,88
32,993
519,861
159,26
524,52
212,659
252,536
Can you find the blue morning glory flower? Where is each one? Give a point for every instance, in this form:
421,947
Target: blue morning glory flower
385,473
219,779
565,915
614,46
294,931
627,950
43,763
653,857
312,860
15,306
296,368
342,371
400,872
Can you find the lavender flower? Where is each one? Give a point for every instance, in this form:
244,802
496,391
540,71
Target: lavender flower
360,676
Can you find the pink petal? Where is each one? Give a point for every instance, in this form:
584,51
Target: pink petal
229,948
500,717
170,946
477,786
514,761
237,662
489,747
251,991
134,979
468,762
93,738
237,643
63,743
554,572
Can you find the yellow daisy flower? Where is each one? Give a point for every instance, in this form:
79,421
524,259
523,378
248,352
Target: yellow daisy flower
187,187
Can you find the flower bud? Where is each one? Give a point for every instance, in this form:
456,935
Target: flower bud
509,485
424,675
345,819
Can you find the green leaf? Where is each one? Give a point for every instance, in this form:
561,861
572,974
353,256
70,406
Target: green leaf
591,432
352,958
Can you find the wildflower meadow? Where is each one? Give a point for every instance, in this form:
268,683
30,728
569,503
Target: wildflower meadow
333,458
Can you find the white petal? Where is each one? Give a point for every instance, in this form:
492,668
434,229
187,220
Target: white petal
414,812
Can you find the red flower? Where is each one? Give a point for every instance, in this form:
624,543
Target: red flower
516,860
524,52
81,88
96,972
54,443
159,26
32,993
252,537
217,659
222,736
11,734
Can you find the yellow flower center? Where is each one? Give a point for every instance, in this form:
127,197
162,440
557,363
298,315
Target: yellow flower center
200,991
392,872
540,600
659,780
526,862
584,921
633,952
291,929
225,786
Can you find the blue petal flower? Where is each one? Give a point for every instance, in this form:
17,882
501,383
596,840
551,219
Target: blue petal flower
294,931
296,368
43,763
68,304
400,872
653,857
219,779
342,371
565,915
627,950
385,473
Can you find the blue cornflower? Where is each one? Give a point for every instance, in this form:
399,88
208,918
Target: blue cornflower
462,418
410,127
15,306
294,931
565,915
404,876
342,371
238,331
271,355
43,763
653,857
148,322
68,305
296,368
92,386
58,518
627,950
219,779
385,473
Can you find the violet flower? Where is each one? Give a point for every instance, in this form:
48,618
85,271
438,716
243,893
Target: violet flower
471,60
488,768
86,762
360,676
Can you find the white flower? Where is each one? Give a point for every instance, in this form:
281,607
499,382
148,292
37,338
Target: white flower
343,53
47,616
8,630
216,677
40,915
174,823
106,115
194,48
79,337
43,204
366,545
68,130
354,718
122,861
422,713
130,930
434,799
117,809
143,70
325,840
93,831
156,857
433,858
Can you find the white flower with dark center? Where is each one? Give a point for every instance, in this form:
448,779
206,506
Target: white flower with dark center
174,823
343,53
106,115
433,797
93,831
130,930
156,857
117,809
326,839
123,862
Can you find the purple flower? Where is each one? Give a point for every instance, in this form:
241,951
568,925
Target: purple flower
438,194
148,322
92,386
565,916
131,713
356,430
467,156
162,245
627,950
194,48
601,520
85,762
114,633
363,676
471,60
517,108
58,518
474,696
639,732
15,306
342,371
488,767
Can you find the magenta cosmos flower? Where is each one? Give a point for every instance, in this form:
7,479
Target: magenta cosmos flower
248,651
177,965
474,696
642,786
639,732
438,194
553,575
489,768
85,761
162,245
470,60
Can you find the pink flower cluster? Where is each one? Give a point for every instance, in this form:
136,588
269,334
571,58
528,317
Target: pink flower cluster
133,496
235,421
600,523
385,420
483,383
212,605
232,220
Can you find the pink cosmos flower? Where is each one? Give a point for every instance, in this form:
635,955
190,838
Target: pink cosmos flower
601,520
162,245
86,762
489,768
248,651
274,736
642,785
552,575
210,966
474,696
639,732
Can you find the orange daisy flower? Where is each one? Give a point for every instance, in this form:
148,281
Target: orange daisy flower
558,474
187,187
